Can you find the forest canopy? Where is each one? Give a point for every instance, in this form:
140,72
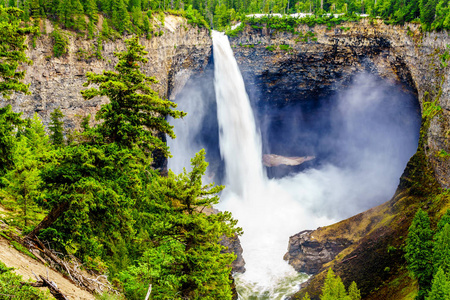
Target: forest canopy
97,197
137,16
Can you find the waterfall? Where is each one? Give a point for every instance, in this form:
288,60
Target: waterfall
265,211
372,141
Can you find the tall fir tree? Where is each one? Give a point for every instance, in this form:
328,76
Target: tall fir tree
56,127
418,249
135,111
440,288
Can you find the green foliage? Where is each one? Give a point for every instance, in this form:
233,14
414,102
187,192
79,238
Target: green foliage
21,183
334,289
12,51
12,288
187,241
306,297
10,122
135,111
441,249
440,288
60,42
56,127
419,251
285,47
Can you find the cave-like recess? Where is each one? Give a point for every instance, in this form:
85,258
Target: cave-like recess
298,119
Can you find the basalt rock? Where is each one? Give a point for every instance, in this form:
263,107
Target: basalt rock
179,52
308,255
280,68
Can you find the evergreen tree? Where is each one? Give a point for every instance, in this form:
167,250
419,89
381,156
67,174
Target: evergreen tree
56,127
419,251
440,288
22,182
353,292
12,51
441,249
333,288
195,235
306,297
135,111
444,220
9,124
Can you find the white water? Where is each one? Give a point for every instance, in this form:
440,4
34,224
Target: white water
266,210
270,211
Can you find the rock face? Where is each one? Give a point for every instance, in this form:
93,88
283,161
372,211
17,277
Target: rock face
308,255
234,246
325,60
182,50
366,248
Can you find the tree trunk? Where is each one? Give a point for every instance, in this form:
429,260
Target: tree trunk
52,216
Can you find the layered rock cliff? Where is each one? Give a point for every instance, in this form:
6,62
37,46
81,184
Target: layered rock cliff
323,60
179,52
285,68
279,68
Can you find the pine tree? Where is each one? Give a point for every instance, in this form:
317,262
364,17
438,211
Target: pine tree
441,249
440,288
306,297
21,183
353,292
9,124
56,127
202,269
419,251
77,13
444,220
12,51
135,111
333,288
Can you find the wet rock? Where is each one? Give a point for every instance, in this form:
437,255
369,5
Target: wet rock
324,60
308,255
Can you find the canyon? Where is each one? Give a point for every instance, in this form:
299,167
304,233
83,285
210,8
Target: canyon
365,248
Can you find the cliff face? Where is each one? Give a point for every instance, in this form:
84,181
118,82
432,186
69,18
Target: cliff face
179,52
366,248
323,60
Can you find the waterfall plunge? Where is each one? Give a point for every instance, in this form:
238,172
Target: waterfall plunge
375,139
265,209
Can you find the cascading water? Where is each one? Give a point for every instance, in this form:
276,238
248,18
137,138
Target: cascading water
265,211
373,135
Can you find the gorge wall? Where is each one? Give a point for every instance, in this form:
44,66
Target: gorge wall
180,51
366,248
322,61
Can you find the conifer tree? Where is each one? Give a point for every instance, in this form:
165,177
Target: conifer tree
21,183
182,200
444,220
12,51
135,111
333,288
56,127
419,251
440,288
306,297
441,249
353,292
9,124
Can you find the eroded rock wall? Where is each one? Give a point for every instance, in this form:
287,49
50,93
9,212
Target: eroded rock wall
323,60
367,247
179,52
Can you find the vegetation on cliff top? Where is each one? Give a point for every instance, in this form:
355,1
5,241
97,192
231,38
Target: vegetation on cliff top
145,17
103,201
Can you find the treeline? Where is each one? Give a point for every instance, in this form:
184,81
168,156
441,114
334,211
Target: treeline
94,194
427,252
139,16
